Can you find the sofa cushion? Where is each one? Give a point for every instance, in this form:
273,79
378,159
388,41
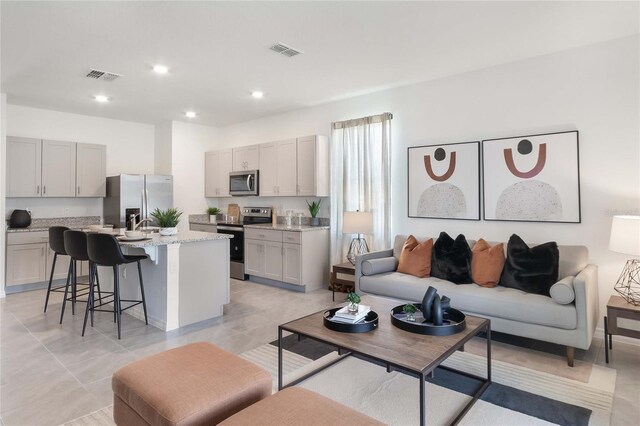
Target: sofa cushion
533,270
487,263
415,258
451,259
562,292
499,302
378,266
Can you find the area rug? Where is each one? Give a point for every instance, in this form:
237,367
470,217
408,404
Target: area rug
517,396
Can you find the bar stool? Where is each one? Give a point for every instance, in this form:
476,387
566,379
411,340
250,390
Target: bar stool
75,244
104,250
56,243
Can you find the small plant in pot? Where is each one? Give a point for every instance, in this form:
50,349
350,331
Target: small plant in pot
167,220
213,212
354,300
410,310
314,208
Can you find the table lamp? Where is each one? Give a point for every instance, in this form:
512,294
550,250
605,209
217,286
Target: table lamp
625,238
357,223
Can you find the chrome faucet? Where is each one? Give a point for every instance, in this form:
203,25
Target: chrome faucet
134,225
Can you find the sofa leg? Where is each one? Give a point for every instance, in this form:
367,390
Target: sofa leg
570,353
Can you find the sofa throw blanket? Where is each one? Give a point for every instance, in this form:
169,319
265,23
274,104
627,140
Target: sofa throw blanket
533,270
451,259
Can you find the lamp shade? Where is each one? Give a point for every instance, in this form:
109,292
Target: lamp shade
357,223
625,235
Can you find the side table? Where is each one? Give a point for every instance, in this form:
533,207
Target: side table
341,284
617,307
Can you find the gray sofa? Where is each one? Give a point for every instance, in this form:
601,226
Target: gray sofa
510,310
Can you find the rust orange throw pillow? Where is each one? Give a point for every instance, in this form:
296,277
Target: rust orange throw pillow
415,258
487,263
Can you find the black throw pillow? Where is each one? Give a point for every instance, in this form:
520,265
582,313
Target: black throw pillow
451,259
534,269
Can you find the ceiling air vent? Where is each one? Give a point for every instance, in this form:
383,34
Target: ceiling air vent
102,75
285,50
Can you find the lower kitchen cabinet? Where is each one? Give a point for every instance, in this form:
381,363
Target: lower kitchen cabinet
291,257
62,266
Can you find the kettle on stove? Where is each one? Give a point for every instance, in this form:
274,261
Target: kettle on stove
20,219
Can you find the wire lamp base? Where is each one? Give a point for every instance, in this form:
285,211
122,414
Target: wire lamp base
628,284
358,246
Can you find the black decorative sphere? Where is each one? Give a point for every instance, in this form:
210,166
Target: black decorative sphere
19,219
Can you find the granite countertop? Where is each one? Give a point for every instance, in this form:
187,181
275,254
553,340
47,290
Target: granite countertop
294,228
179,238
43,224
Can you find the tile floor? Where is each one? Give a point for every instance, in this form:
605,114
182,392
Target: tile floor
49,374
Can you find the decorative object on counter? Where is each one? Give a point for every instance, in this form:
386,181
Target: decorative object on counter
167,220
289,218
354,300
357,223
625,238
314,208
436,317
233,213
410,310
20,219
366,324
213,214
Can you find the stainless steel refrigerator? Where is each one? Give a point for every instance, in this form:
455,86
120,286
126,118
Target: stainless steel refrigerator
136,194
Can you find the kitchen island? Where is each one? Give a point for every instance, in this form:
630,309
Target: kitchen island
186,278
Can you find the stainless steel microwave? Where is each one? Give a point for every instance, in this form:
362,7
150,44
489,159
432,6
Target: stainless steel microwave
243,183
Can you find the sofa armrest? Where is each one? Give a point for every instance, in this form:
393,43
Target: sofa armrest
585,286
367,256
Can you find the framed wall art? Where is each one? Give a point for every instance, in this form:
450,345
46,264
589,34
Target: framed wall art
444,181
532,178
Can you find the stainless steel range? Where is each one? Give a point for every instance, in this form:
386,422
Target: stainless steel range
250,215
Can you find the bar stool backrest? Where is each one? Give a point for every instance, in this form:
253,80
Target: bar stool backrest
75,242
104,250
56,239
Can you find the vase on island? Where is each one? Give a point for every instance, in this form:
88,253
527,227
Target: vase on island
166,232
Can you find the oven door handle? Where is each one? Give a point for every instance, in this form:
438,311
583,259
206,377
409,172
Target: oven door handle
229,228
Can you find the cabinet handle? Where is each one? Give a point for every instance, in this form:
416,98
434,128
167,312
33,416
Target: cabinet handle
44,189
37,189
42,250
78,190
261,235
274,190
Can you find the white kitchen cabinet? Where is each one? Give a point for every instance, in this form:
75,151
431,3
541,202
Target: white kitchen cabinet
91,170
58,169
217,167
313,166
24,166
246,158
291,257
26,263
278,168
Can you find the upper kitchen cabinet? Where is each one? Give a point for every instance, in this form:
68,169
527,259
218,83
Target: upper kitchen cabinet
246,158
313,166
24,166
45,168
91,170
217,166
278,168
58,169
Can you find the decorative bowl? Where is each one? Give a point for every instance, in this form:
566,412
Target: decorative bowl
133,234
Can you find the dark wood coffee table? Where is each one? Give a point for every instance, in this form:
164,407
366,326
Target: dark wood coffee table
413,354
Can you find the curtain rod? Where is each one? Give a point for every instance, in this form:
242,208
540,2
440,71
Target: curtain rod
363,120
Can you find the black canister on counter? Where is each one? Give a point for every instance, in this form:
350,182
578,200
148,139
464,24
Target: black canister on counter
20,219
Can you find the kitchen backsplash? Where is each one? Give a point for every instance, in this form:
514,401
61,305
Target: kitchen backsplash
55,207
280,205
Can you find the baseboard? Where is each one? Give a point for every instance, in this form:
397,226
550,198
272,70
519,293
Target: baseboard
278,284
620,339
138,313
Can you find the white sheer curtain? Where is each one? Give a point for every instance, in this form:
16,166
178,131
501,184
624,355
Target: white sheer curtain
361,179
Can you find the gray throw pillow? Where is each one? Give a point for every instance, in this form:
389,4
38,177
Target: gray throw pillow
379,266
562,292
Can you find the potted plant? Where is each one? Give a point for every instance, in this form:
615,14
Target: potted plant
354,300
314,208
410,310
167,220
213,212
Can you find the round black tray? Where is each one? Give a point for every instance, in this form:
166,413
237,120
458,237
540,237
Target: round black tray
370,323
454,322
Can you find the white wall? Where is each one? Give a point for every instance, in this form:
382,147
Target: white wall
189,142
130,149
162,149
3,145
593,89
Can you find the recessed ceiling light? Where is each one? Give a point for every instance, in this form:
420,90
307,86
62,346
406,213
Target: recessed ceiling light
160,69
101,98
257,94
190,114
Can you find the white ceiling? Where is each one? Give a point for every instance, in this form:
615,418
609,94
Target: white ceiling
218,52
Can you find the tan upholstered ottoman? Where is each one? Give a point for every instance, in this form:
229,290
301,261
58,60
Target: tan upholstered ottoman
298,406
196,384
